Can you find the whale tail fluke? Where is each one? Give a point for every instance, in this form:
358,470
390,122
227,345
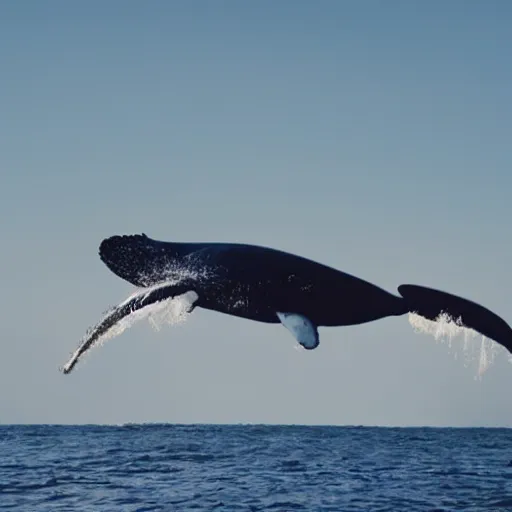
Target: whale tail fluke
430,304
133,257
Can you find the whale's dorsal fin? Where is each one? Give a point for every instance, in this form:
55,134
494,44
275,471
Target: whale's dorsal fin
302,328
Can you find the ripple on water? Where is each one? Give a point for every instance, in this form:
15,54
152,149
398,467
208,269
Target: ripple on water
201,467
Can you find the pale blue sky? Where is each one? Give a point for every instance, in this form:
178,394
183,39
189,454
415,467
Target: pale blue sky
373,136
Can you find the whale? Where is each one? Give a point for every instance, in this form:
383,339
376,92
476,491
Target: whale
269,285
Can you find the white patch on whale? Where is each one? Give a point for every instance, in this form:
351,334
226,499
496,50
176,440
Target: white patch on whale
302,328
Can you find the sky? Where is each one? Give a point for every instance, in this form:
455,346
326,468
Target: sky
371,136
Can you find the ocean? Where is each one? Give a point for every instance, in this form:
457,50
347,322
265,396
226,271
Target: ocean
163,467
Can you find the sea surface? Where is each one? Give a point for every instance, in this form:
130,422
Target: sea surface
253,468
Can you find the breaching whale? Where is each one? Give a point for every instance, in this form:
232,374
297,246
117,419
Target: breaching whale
269,285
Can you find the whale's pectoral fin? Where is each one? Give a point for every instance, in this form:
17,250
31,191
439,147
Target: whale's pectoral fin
302,328
133,304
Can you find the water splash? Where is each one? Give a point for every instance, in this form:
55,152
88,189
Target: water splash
172,311
475,347
178,271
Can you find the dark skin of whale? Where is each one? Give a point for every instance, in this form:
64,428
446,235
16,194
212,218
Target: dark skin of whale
261,284
253,282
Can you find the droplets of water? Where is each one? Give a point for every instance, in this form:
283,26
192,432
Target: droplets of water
175,272
171,312
475,348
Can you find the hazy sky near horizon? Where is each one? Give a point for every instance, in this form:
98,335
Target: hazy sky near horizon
372,136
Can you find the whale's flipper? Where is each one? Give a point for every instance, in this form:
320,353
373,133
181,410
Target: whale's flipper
430,304
302,328
126,308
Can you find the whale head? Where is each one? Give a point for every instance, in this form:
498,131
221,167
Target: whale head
137,258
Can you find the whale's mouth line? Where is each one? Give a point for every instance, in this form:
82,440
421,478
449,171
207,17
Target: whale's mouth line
166,302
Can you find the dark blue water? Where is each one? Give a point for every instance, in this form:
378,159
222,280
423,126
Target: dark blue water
253,468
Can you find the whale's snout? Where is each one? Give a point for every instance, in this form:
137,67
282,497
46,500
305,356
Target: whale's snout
129,257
